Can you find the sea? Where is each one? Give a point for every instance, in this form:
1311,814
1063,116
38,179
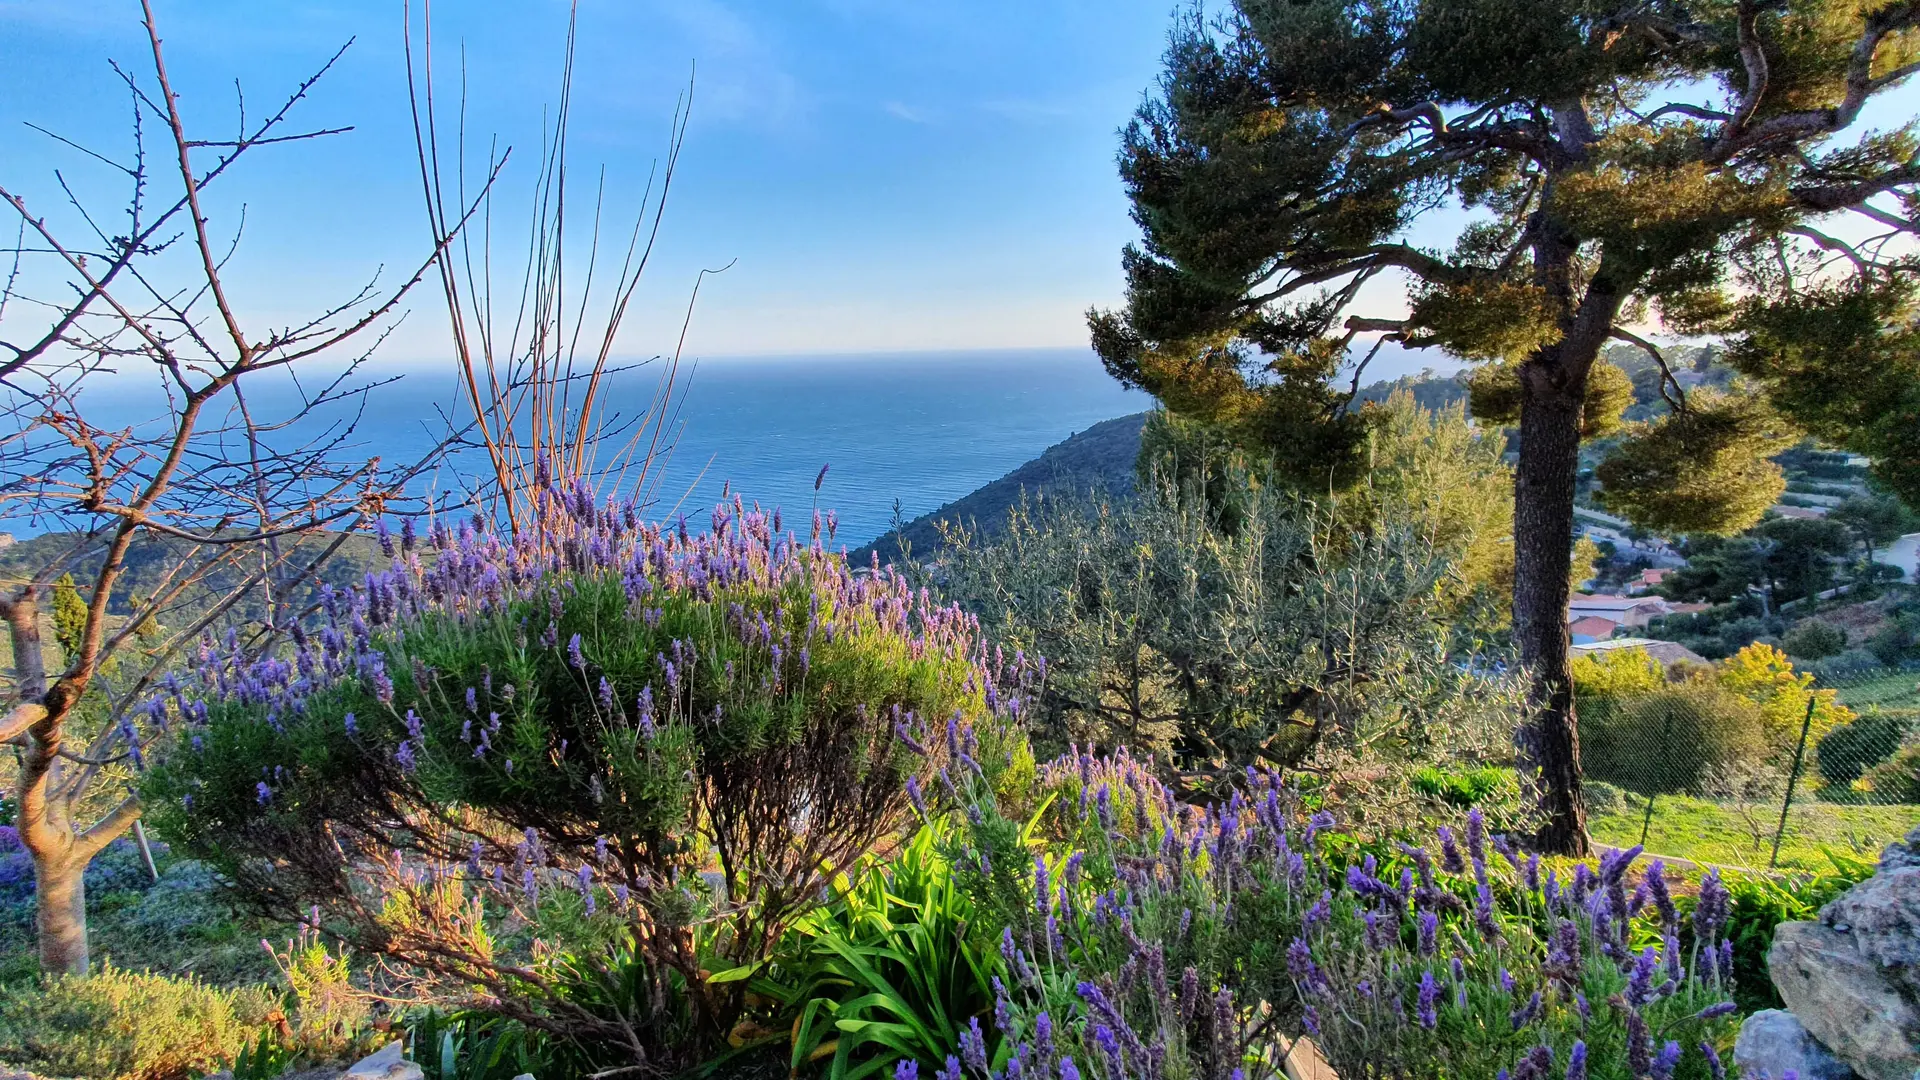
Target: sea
897,433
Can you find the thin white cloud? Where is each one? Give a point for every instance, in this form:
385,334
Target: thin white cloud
907,112
740,77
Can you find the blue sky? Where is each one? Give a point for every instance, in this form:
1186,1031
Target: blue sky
932,174
882,175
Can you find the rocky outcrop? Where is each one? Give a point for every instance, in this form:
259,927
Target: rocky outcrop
1845,1001
1852,980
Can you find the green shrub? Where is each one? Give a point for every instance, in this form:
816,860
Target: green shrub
1602,797
1462,788
1217,618
1814,639
1897,779
329,1012
1851,664
531,751
1672,740
1762,902
123,1025
1894,642
1848,751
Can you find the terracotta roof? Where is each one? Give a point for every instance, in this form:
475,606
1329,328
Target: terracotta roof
1593,626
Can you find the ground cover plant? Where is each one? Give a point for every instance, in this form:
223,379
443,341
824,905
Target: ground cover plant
178,923
117,1023
506,764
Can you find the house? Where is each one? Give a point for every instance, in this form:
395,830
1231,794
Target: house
1647,581
1624,610
1667,652
1591,628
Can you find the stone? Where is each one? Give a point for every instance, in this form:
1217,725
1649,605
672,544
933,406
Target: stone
1882,915
1773,1041
1902,854
1843,999
386,1063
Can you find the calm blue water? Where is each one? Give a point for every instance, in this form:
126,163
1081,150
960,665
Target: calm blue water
918,427
923,429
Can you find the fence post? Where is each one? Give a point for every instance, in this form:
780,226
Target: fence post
1666,741
1799,752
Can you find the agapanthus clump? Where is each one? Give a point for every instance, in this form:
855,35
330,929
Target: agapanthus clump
519,765
1207,943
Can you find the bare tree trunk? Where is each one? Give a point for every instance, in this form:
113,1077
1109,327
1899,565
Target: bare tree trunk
62,887
1550,416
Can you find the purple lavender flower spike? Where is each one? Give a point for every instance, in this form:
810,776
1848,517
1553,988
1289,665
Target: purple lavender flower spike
1640,982
908,1069
1716,1068
952,1071
1665,1060
1535,1064
1577,1061
973,1046
1427,1012
1450,860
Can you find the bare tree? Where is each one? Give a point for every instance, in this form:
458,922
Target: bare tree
238,484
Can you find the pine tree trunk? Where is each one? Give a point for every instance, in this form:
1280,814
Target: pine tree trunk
62,888
1549,742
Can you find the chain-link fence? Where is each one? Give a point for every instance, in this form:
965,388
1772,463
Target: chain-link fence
1752,764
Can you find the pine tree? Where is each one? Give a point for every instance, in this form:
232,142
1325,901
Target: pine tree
1693,161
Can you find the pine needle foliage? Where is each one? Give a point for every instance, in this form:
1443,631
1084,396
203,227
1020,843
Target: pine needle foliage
1601,165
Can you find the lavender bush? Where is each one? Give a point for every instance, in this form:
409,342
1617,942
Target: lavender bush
1171,940
586,776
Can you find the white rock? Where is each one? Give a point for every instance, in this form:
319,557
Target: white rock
386,1063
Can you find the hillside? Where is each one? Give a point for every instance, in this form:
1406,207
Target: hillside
1099,458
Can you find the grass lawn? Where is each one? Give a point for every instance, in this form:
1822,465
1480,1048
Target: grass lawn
1703,831
1896,691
